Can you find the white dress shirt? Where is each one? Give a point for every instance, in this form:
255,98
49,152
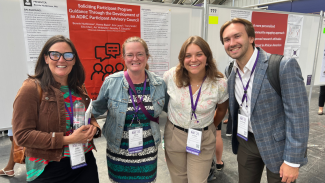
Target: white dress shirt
239,91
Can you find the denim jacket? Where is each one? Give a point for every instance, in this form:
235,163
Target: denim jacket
114,97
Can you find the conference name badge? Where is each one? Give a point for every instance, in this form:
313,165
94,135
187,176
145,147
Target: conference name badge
242,130
194,141
77,155
135,139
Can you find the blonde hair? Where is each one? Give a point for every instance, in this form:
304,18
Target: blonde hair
139,40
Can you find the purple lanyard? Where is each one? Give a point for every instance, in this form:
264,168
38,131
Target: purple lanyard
246,88
197,99
67,109
136,109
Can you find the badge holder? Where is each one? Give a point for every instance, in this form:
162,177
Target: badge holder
194,140
242,130
77,154
135,136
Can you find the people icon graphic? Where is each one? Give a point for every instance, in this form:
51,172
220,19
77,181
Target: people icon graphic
98,69
109,69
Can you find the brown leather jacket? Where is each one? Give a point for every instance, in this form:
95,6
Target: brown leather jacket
39,125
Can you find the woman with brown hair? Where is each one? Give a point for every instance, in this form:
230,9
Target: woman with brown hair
43,118
194,88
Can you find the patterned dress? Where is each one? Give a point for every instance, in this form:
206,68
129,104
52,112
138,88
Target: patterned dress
36,166
139,167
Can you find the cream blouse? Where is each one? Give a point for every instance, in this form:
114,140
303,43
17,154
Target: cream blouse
179,106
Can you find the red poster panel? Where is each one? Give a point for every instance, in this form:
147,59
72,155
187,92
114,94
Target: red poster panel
98,31
270,31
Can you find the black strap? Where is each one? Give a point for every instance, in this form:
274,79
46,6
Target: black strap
273,72
231,65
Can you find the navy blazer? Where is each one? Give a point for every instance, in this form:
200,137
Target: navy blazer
280,125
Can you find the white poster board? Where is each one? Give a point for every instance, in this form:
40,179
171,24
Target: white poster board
17,61
302,44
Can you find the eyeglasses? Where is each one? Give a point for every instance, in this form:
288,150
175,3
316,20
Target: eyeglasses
139,56
55,56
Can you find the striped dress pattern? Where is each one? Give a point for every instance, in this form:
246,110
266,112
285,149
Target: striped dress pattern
36,166
141,167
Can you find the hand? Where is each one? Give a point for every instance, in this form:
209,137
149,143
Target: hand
83,134
288,173
92,131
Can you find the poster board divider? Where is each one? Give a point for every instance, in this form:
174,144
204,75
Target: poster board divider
316,55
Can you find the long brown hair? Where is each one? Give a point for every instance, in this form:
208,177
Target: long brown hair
249,28
76,77
139,40
182,78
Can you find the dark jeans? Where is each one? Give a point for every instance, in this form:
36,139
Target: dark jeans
321,99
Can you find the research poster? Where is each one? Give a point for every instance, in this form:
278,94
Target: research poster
156,31
270,31
98,31
42,20
244,14
294,33
275,33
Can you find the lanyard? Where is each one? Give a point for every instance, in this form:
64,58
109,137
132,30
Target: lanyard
246,88
197,99
136,109
67,109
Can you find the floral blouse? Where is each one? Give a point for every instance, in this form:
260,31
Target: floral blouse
179,106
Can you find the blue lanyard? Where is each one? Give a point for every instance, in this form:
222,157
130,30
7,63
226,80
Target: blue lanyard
193,106
246,88
136,109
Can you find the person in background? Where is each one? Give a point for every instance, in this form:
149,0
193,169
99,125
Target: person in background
127,162
9,169
195,87
43,119
321,100
219,145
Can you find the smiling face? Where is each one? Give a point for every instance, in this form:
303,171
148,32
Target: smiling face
195,61
60,69
135,57
237,43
